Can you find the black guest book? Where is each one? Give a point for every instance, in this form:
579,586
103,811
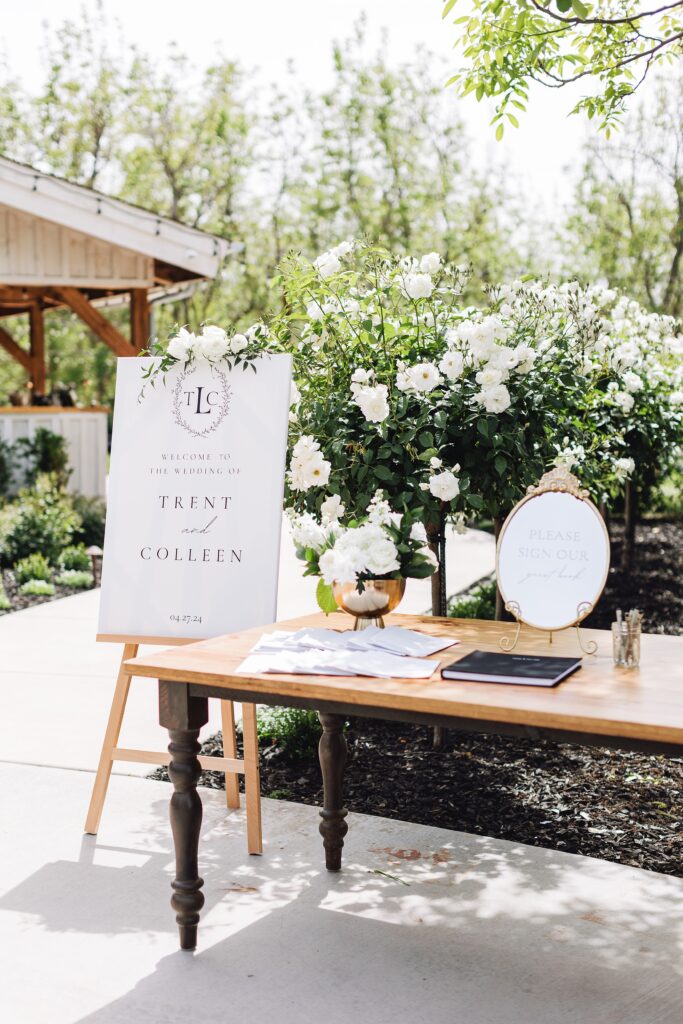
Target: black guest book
518,669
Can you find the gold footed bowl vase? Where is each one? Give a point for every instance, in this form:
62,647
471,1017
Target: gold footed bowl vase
369,604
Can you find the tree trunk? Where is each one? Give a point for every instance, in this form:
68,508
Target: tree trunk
436,538
604,512
500,605
630,521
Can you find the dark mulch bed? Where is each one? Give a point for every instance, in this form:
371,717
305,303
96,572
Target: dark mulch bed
621,807
21,601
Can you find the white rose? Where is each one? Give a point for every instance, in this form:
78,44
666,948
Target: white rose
632,382
495,399
424,377
431,263
238,343
382,557
327,264
343,249
452,365
490,376
332,509
212,343
444,486
435,463
308,468
181,346
403,382
526,357
676,398
373,402
294,395
417,286
623,400
624,468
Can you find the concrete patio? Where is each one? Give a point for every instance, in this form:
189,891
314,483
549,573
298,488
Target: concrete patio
423,924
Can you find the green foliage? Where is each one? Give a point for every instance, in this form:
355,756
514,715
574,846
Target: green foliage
75,557
5,604
5,468
91,513
45,452
295,730
667,498
381,152
477,603
38,588
76,579
33,567
625,223
43,520
509,44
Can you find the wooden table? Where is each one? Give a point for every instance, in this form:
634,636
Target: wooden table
637,709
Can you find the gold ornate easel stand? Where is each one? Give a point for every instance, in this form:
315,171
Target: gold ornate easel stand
583,610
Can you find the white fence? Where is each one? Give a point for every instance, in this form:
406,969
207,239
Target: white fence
85,431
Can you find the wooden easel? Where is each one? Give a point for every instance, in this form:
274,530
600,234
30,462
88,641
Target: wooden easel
230,763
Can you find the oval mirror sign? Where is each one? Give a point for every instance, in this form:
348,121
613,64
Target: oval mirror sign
553,558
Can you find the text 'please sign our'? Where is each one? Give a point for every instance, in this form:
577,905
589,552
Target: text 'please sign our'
195,500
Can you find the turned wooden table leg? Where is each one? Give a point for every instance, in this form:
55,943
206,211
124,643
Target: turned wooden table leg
184,716
332,753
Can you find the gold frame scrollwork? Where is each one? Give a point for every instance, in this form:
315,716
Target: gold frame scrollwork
561,480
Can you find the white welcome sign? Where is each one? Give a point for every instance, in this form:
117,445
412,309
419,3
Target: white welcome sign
553,559
195,500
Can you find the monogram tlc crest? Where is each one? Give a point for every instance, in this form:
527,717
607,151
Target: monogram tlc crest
201,399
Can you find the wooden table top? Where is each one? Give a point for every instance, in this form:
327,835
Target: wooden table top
641,704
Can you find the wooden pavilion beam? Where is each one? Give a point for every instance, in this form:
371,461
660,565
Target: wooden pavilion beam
37,328
12,349
102,327
139,319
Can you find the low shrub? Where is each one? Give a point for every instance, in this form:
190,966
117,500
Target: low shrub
33,567
293,729
5,468
5,604
38,588
477,603
75,557
92,513
76,578
43,520
45,452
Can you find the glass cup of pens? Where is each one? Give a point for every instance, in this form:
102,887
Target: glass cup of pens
626,639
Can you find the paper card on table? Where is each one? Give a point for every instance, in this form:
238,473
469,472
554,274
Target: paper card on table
398,640
390,666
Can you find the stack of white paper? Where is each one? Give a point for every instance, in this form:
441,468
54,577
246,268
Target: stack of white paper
388,653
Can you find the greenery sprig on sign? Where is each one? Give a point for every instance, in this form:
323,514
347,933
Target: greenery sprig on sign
213,345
